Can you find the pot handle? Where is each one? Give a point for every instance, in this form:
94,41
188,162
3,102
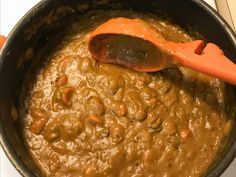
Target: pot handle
2,40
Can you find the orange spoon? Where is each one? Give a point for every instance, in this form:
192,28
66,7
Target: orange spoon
134,44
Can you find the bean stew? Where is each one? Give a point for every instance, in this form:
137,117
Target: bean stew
88,119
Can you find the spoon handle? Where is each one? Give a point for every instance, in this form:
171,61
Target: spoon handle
2,40
211,60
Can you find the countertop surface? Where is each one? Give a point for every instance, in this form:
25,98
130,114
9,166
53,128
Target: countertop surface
10,12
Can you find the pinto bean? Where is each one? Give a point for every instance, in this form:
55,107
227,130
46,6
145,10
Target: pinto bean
142,80
52,130
86,92
131,152
66,95
169,127
136,108
91,171
37,126
95,120
38,94
86,64
61,80
164,86
184,133
149,96
95,106
147,93
71,126
119,108
40,119
37,98
38,113
104,133
46,72
154,121
115,82
60,147
149,157
64,63
117,159
117,133
120,94
63,96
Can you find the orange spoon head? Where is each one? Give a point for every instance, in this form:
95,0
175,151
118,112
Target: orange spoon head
128,51
134,44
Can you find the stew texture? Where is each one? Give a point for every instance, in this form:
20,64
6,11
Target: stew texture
88,119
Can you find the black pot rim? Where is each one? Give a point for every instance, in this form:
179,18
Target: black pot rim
15,160
6,146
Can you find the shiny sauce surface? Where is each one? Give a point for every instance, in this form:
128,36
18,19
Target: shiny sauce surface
88,119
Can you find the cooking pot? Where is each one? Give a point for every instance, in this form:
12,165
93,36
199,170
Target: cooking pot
50,19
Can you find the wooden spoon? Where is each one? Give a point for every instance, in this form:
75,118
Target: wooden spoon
134,44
